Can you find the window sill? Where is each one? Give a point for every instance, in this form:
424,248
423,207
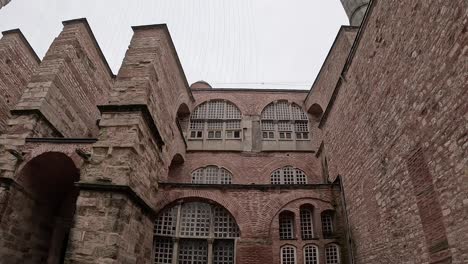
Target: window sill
195,139
214,139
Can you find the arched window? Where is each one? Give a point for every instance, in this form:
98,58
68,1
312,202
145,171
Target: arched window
284,121
307,225
288,175
288,255
286,225
327,224
332,254
195,228
311,254
211,175
215,119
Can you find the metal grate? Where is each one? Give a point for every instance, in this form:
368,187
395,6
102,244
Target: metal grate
197,125
211,175
224,225
301,126
193,251
233,124
332,254
288,255
223,252
288,175
282,111
269,112
311,254
297,113
232,112
195,220
216,109
307,227
215,125
286,225
163,250
284,126
199,112
166,223
327,224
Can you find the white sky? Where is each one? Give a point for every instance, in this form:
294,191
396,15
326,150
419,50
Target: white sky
228,43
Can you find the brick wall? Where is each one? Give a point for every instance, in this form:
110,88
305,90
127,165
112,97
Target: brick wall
17,63
403,93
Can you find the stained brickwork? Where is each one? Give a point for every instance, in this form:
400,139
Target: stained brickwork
402,89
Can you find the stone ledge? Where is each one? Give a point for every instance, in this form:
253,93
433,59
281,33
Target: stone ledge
137,108
123,189
37,112
261,187
62,140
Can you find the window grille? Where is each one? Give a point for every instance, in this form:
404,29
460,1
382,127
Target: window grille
193,252
332,254
223,252
311,255
288,175
224,224
211,175
286,119
288,255
327,224
222,119
201,226
195,220
166,223
307,227
286,225
163,251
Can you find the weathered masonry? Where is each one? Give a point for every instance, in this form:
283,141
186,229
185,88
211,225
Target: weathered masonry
369,166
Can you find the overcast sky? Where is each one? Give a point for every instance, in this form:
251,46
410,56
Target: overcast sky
228,43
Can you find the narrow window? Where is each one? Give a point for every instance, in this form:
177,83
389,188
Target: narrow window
288,255
332,254
286,225
307,227
327,224
311,255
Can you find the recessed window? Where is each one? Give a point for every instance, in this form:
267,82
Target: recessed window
201,228
288,175
327,224
311,254
286,225
215,120
211,175
284,121
332,254
288,255
307,226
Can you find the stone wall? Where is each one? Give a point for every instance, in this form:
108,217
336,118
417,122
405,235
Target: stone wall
396,132
18,62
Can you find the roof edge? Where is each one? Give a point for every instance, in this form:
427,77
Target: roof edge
26,42
93,38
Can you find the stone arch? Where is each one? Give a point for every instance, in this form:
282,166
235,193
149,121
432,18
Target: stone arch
48,203
175,167
316,111
239,213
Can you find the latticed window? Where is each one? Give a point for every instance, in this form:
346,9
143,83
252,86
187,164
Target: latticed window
288,175
311,254
195,228
307,226
284,121
288,255
216,119
332,254
211,175
327,224
286,225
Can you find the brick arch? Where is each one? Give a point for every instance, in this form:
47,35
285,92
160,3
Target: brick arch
274,207
68,150
239,214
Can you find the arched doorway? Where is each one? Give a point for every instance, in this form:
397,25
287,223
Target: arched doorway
48,200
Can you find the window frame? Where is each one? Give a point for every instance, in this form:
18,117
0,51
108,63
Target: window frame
293,116
291,232
317,251
299,176
205,123
338,253
221,174
287,246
